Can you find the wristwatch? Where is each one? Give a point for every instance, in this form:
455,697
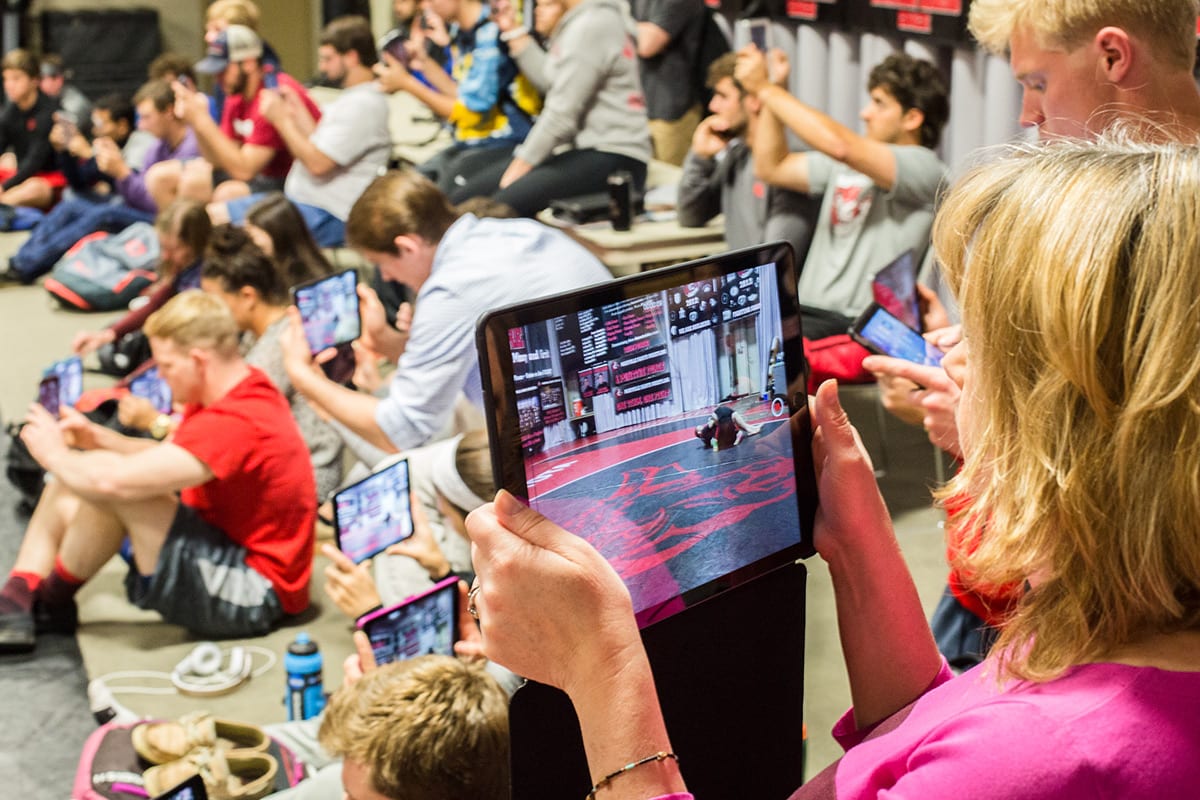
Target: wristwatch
160,427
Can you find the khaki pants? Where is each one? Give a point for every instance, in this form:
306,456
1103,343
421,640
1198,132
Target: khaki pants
673,137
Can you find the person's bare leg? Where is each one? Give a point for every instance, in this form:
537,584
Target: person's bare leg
34,193
196,181
230,190
162,182
55,510
96,533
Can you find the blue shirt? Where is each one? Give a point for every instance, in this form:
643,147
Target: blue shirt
480,265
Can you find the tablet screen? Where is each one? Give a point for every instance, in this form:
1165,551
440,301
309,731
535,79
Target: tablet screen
373,514
651,416
69,372
419,626
151,386
895,288
329,310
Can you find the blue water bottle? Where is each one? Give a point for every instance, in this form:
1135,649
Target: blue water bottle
305,694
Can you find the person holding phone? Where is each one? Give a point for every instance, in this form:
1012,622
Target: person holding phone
1077,474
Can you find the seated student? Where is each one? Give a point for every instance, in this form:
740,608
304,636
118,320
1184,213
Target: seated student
183,230
245,151
412,26
52,81
134,201
877,189
718,174
459,266
220,518
336,158
593,122
489,106
431,727
27,175
275,225
217,17
254,288
1076,472
112,118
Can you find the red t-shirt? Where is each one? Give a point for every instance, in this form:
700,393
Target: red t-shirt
241,122
262,494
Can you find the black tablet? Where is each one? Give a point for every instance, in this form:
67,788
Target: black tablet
191,789
69,372
329,310
664,418
373,514
422,624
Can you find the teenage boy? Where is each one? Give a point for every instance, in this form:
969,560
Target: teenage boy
27,176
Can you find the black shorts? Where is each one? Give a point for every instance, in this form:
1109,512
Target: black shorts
203,583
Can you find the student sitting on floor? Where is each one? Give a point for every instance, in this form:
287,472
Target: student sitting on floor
219,518
27,172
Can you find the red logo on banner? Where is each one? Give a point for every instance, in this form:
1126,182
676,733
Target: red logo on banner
800,9
912,22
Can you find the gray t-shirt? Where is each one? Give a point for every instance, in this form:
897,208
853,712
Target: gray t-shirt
861,228
324,445
668,78
353,132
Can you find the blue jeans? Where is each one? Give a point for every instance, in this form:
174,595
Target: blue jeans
328,230
66,224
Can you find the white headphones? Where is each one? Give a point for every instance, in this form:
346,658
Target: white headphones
200,673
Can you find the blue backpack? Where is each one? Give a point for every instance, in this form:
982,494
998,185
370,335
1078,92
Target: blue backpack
103,271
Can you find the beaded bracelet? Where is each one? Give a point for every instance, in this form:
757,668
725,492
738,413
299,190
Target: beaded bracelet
661,755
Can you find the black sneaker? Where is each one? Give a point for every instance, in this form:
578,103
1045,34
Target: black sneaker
62,618
16,632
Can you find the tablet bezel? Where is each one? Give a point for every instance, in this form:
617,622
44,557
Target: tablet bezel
310,284
337,522
495,364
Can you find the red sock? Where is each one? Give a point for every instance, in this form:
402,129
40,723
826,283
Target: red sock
60,586
17,594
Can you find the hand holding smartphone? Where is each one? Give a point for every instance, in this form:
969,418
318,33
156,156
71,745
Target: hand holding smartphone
882,332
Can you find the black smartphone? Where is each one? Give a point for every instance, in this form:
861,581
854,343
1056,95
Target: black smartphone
270,80
422,624
373,514
191,789
393,45
882,332
758,33
48,394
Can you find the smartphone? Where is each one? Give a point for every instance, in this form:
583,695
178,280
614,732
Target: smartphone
48,394
150,385
373,514
882,332
69,372
270,80
422,624
68,121
757,32
191,789
393,45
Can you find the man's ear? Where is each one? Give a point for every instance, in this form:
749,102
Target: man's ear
407,243
1115,49
912,120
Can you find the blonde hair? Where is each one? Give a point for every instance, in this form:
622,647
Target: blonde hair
1167,26
1084,403
234,12
195,319
431,728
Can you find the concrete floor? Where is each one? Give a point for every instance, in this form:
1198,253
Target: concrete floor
35,332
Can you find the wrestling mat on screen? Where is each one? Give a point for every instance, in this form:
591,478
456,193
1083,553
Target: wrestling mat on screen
662,417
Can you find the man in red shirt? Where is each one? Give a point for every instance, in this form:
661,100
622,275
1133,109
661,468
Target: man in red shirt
247,153
219,517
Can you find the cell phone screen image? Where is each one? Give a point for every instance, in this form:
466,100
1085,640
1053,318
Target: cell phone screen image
69,372
424,624
329,310
269,78
895,288
759,35
373,514
152,387
660,419
881,331
393,45
48,392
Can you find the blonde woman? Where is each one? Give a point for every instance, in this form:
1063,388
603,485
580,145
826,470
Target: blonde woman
1080,428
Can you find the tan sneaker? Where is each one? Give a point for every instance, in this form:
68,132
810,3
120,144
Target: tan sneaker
227,775
163,742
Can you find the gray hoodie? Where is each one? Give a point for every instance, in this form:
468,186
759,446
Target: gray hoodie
590,80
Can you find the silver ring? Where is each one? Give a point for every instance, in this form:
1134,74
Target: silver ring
471,609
